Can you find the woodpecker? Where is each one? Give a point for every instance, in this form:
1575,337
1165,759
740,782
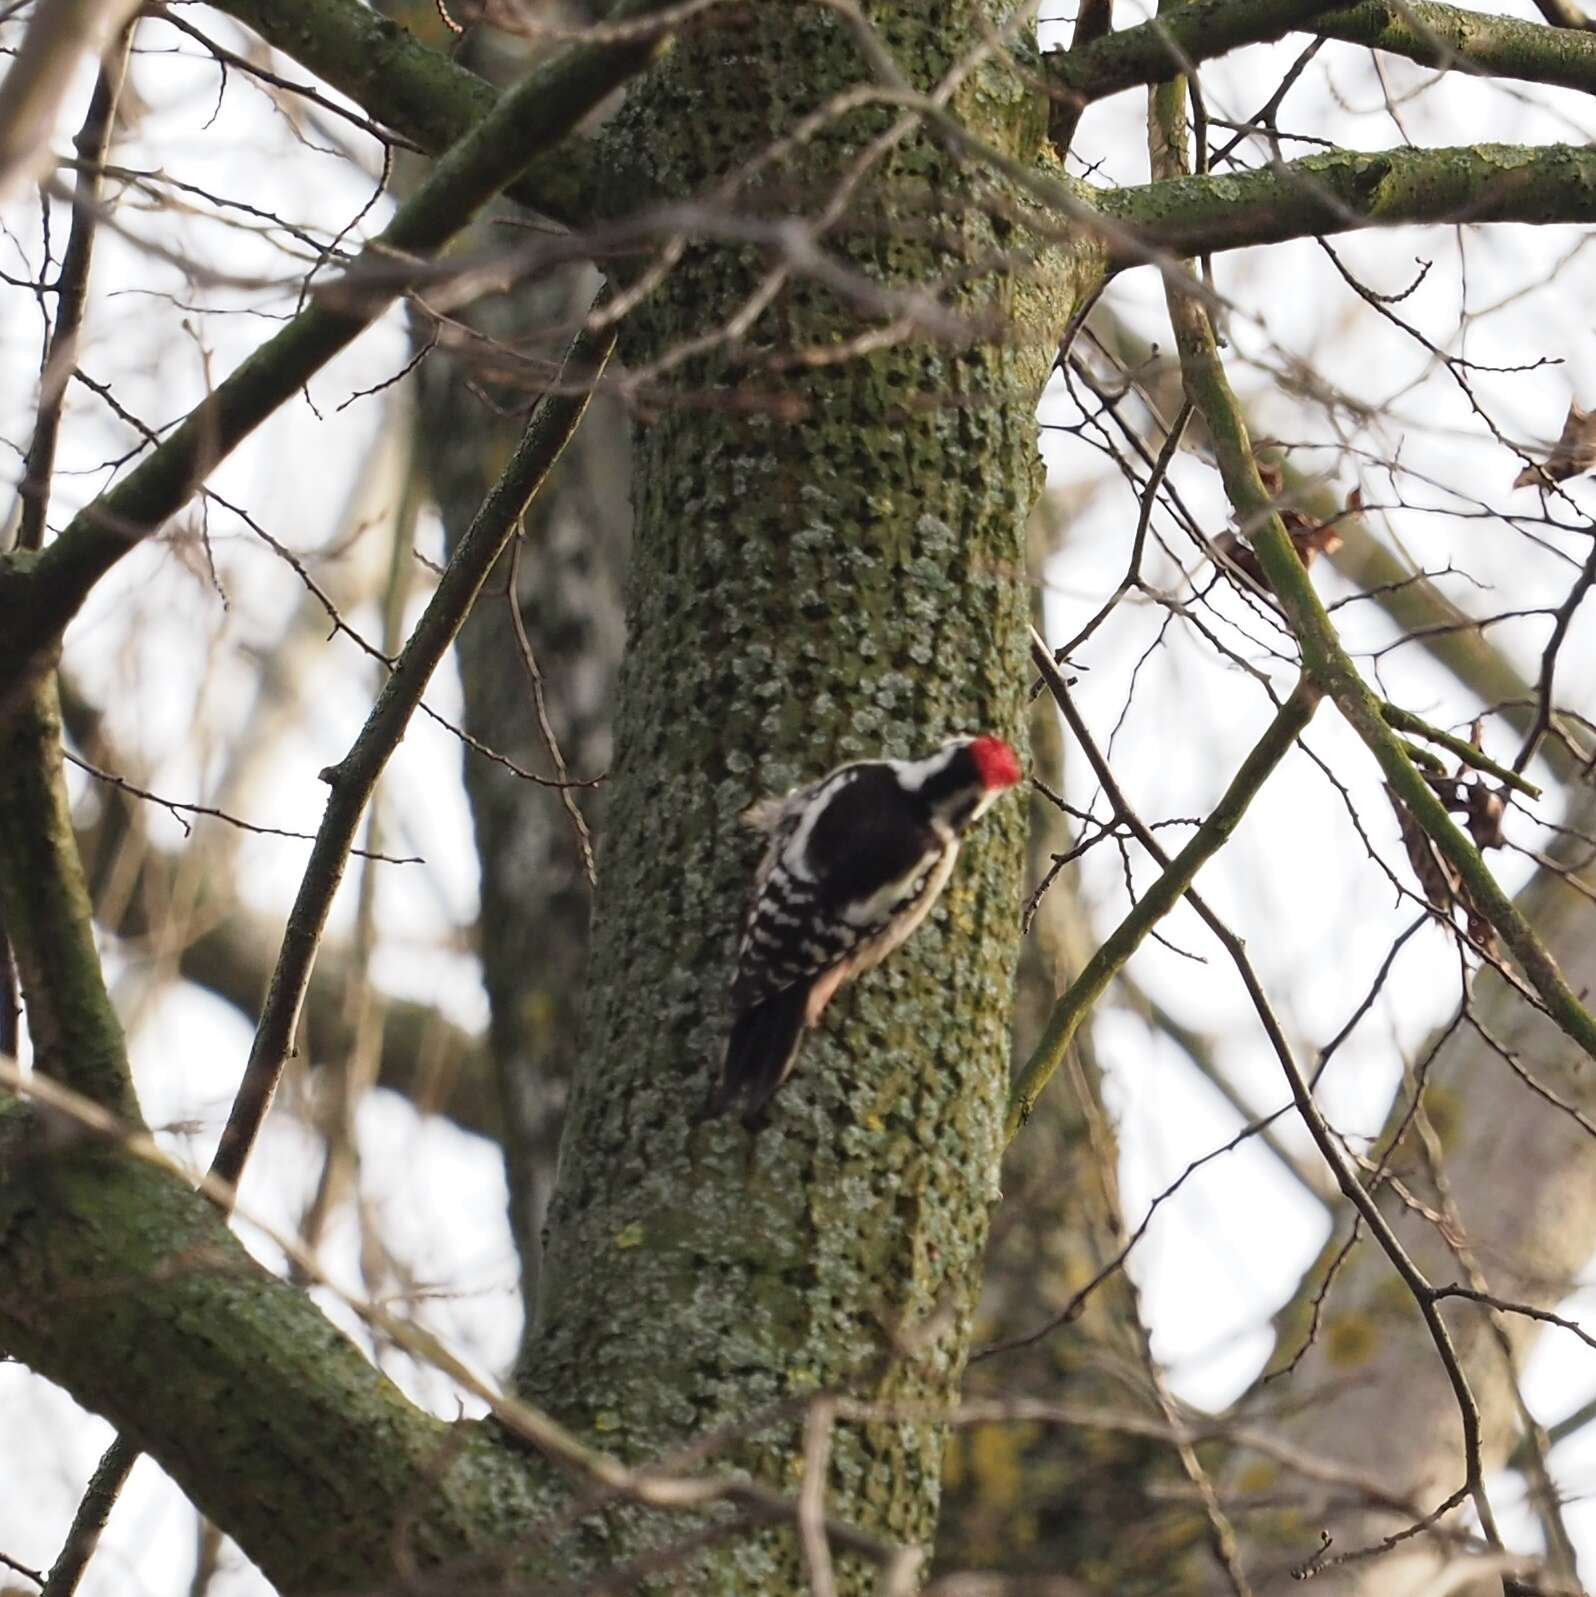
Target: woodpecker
852,865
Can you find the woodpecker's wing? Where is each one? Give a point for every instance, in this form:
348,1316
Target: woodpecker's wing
843,856
851,866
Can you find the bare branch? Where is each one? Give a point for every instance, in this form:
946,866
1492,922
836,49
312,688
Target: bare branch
1345,190
353,778
411,88
1178,872
72,291
105,1486
40,594
60,33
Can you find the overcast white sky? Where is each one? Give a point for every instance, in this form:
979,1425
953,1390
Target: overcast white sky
177,671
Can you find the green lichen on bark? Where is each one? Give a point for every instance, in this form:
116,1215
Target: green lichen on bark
44,906
1341,190
1453,38
116,1276
828,563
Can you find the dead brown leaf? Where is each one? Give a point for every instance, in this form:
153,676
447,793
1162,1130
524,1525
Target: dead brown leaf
1574,451
1443,887
1486,808
1310,538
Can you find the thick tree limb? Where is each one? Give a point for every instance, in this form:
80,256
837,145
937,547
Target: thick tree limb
406,85
1344,190
1450,38
39,594
115,1274
44,907
1171,42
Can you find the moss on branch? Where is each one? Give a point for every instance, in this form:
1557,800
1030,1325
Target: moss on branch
1449,38
1344,190
1179,38
44,907
125,1287
1454,39
406,85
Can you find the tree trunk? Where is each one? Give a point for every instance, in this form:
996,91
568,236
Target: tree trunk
827,564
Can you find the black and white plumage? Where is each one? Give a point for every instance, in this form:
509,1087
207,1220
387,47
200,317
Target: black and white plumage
852,865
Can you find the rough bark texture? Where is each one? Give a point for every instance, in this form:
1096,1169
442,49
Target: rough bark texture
44,907
116,1276
829,574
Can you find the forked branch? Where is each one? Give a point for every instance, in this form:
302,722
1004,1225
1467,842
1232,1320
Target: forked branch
354,777
39,594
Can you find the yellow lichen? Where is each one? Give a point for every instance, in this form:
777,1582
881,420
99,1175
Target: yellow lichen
1349,1340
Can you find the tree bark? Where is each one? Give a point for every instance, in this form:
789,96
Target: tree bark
832,570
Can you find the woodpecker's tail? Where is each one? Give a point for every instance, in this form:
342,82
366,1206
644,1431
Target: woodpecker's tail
764,1043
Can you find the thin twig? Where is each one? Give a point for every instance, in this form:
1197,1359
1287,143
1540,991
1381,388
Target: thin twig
1543,691
584,838
10,996
1178,872
353,778
72,291
99,1498
818,1423
227,58
1406,721
35,1575
179,808
1133,571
